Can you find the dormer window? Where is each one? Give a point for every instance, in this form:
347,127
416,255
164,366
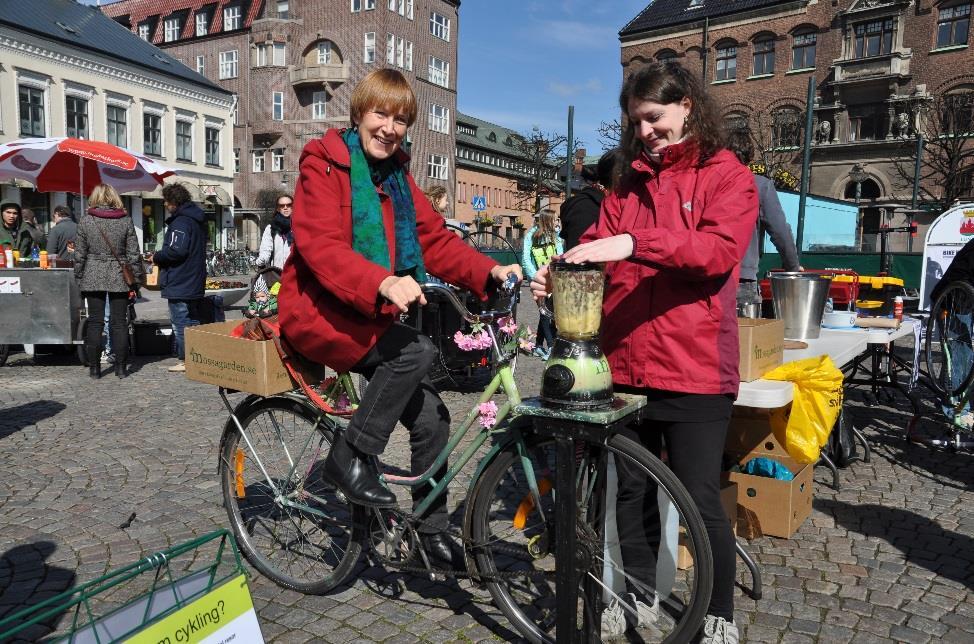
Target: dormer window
874,38
202,23
492,137
144,31
171,29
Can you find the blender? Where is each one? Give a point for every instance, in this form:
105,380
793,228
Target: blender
577,374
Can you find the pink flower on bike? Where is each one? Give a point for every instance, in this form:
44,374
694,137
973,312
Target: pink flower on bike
488,413
472,342
507,325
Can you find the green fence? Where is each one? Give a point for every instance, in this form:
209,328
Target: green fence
906,266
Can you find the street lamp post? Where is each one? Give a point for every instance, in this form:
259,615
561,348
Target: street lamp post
858,175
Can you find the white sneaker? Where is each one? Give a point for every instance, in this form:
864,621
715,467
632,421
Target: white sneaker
614,618
179,367
717,630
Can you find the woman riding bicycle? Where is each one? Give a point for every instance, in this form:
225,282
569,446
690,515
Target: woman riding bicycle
673,231
364,236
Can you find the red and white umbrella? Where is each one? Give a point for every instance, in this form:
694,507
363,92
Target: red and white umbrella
62,164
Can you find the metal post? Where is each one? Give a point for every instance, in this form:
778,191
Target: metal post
703,54
916,184
806,163
571,162
566,581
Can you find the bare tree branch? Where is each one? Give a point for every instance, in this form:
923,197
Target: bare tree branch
541,154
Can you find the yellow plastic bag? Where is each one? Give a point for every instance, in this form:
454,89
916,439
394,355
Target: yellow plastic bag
815,408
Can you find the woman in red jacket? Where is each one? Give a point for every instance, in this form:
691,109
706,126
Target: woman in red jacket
364,236
673,232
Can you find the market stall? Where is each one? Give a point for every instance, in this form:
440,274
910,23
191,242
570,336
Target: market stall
40,306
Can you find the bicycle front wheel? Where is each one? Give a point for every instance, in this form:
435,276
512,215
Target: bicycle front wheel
949,345
632,516
293,527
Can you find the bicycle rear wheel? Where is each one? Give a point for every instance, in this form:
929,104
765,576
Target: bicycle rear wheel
514,545
948,349
309,546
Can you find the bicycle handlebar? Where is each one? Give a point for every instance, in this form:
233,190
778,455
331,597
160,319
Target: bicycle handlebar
509,286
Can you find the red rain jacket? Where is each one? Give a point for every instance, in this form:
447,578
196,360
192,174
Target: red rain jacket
670,310
329,303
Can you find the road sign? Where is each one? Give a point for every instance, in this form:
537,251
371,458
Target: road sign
479,203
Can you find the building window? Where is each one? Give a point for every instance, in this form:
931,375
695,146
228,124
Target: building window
440,26
228,64
356,6
368,55
763,57
236,160
874,38
402,7
282,9
400,52
144,31
184,141
324,53
271,54
439,71
202,23
735,121
786,128
258,158
438,168
280,54
170,28
318,102
803,51
390,49
77,112
117,125
665,54
278,114
212,146
277,159
231,18
726,63
439,118
408,64
200,64
152,134
953,23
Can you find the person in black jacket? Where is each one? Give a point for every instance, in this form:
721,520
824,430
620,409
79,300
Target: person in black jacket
582,210
182,259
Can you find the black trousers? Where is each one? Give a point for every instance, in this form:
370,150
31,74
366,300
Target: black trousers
400,389
118,325
694,450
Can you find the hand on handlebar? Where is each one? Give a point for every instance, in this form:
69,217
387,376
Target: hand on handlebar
402,291
502,273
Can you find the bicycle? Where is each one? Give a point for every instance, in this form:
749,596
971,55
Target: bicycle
303,534
949,355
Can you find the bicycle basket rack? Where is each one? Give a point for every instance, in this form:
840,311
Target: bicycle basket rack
129,600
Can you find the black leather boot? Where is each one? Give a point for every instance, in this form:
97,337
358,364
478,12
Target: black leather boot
440,549
121,370
350,471
94,371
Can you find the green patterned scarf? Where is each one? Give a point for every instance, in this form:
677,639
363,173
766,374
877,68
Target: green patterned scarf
369,234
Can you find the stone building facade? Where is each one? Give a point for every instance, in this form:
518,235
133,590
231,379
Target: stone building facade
879,66
292,66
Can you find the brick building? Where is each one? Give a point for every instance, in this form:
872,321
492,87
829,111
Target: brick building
491,165
293,65
879,67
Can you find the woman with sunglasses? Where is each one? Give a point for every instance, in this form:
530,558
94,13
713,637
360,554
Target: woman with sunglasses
275,244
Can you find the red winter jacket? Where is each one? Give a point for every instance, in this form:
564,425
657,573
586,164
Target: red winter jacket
329,304
670,310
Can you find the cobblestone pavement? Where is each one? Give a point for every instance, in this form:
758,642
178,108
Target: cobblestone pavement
886,558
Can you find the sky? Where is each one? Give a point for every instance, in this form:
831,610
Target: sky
523,62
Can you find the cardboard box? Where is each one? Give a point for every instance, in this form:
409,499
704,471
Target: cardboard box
728,499
779,507
762,346
216,358
751,432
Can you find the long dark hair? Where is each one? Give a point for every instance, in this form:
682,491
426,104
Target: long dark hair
664,83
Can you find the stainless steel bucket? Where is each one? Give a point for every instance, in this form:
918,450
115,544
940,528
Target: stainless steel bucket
748,309
799,299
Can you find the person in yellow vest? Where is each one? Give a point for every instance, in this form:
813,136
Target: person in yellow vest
541,244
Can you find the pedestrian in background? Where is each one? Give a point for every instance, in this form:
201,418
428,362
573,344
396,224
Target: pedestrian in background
771,218
541,243
582,209
182,259
106,242
276,242
13,233
65,232
437,197
37,236
672,232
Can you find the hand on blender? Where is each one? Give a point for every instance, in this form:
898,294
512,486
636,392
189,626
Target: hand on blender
608,249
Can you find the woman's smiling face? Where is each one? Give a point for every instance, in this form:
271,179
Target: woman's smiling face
382,133
658,125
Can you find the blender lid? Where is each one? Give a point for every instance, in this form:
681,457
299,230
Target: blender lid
561,265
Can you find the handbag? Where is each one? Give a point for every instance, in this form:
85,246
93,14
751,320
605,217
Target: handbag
127,274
